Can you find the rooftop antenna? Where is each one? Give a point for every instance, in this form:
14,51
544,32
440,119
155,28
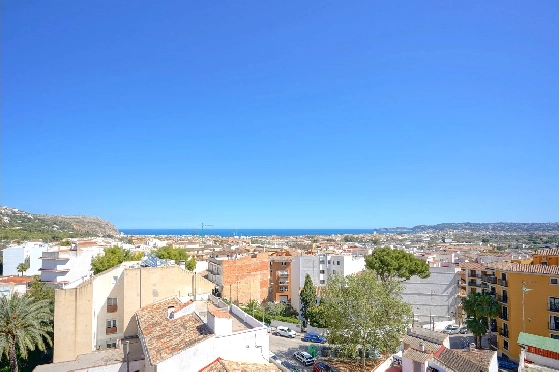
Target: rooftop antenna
202,232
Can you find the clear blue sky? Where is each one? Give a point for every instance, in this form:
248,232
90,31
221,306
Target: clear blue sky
281,114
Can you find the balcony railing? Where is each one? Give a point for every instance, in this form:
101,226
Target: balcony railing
553,307
489,279
111,330
283,273
553,326
504,333
504,317
502,282
461,282
474,284
502,299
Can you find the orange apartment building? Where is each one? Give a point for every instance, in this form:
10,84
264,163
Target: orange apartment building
240,277
280,275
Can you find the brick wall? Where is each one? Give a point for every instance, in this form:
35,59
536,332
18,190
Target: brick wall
246,278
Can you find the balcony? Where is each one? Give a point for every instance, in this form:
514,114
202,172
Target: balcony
112,308
553,307
283,273
111,330
504,333
284,282
504,316
485,285
473,284
489,279
503,283
461,282
502,299
553,326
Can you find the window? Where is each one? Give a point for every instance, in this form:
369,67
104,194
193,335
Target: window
334,271
284,263
338,262
553,323
552,335
553,304
112,346
329,262
115,279
112,305
321,271
322,282
553,280
111,323
506,345
321,262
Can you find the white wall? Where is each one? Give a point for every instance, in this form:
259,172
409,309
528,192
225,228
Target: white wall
12,257
543,361
104,286
117,367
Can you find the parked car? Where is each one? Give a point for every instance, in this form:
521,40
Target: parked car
451,329
314,337
285,331
463,329
322,367
290,366
305,358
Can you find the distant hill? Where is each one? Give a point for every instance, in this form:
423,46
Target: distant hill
511,227
16,224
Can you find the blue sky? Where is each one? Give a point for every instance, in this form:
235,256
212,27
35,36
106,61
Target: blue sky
291,114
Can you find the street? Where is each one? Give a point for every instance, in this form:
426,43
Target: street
285,347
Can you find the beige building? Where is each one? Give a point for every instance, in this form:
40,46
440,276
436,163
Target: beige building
98,312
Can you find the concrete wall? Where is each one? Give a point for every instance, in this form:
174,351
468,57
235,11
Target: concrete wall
116,367
541,360
435,295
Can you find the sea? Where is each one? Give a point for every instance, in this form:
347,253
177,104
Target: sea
254,232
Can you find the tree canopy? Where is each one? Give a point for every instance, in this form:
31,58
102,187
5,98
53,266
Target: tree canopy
308,296
113,256
393,263
363,312
480,308
22,267
176,254
25,324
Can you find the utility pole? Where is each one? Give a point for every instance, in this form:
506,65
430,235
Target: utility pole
523,290
202,231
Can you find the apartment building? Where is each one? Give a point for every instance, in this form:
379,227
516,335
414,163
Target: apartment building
528,299
61,266
280,275
241,277
320,268
96,313
28,253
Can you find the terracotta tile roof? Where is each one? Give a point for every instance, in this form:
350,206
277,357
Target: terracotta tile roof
182,306
16,279
164,337
220,365
427,335
546,252
416,355
523,268
466,361
415,343
471,265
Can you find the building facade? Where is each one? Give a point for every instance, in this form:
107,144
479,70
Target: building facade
98,312
240,278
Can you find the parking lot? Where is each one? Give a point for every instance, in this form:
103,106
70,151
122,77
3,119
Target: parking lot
285,347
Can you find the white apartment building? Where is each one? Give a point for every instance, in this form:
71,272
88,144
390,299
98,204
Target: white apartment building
64,266
320,268
28,253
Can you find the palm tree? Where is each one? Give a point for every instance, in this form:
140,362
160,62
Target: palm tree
22,267
480,308
23,322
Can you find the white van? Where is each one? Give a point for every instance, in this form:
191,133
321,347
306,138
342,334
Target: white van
285,331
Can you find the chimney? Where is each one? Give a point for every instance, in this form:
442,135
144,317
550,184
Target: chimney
421,346
170,311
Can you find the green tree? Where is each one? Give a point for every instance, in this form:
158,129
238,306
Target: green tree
308,296
112,257
176,254
22,267
316,316
24,323
480,309
393,263
41,291
363,312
